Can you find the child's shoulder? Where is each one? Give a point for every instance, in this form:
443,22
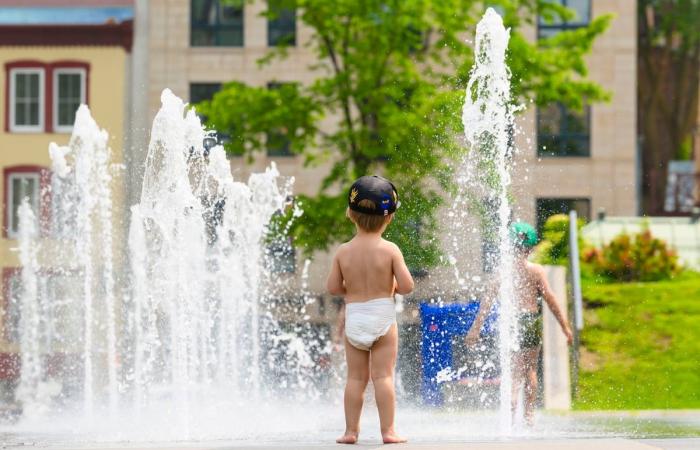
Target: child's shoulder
344,247
390,245
535,269
389,248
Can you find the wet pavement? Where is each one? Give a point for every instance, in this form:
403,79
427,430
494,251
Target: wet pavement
517,444
317,429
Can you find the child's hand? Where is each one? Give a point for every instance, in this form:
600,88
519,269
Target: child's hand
471,339
569,335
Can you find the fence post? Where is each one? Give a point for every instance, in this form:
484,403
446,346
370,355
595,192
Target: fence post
575,271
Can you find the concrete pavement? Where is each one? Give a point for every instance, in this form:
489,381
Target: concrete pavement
530,444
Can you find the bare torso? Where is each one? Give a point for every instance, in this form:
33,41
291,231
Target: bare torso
366,263
527,286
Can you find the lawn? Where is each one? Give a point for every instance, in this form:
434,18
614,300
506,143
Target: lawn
641,345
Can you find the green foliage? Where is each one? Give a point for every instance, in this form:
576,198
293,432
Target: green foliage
685,151
672,23
554,247
390,85
639,257
640,345
246,113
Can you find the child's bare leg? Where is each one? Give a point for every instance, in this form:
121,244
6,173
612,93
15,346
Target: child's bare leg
517,371
383,356
358,376
531,384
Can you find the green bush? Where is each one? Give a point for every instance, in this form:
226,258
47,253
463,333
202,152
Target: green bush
554,248
638,257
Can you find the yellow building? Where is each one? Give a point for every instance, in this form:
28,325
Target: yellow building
53,57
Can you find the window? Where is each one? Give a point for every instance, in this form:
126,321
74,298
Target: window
200,92
278,144
281,25
27,100
563,132
582,10
547,207
69,93
24,182
43,97
21,186
217,25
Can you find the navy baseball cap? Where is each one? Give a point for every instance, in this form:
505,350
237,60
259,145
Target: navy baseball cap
380,191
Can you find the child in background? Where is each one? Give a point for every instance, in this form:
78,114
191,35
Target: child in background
367,271
530,283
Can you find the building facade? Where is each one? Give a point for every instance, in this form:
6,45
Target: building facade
581,160
587,161
53,57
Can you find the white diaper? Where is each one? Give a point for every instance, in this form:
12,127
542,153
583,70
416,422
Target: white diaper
365,322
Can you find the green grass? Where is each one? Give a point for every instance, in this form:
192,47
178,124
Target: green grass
641,345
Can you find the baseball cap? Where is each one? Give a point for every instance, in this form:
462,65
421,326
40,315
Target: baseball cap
377,189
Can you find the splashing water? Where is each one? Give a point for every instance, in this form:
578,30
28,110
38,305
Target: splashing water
179,317
64,323
30,388
482,183
180,323
174,336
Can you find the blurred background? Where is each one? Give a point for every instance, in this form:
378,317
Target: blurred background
608,127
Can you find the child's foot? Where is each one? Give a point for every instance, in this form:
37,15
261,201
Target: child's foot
530,421
393,438
347,438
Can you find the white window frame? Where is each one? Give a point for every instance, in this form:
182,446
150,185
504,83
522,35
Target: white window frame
12,234
42,100
83,77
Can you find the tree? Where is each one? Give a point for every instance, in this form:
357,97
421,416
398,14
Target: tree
669,78
393,73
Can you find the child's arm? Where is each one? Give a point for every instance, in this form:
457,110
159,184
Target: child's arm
551,300
339,329
403,280
335,283
484,308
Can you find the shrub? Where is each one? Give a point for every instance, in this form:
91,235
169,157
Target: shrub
554,248
639,257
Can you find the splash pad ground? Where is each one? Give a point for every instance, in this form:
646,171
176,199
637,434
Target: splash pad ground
426,429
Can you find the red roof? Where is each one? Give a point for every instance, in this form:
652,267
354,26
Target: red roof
109,34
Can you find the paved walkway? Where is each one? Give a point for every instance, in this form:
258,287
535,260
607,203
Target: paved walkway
294,429
532,444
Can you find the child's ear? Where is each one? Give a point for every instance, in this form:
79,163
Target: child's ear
390,217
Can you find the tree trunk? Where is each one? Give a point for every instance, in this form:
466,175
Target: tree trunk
667,113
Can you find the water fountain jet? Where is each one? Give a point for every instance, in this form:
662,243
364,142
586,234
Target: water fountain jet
483,179
188,318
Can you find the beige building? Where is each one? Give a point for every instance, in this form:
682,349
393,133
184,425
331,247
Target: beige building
584,161
587,161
